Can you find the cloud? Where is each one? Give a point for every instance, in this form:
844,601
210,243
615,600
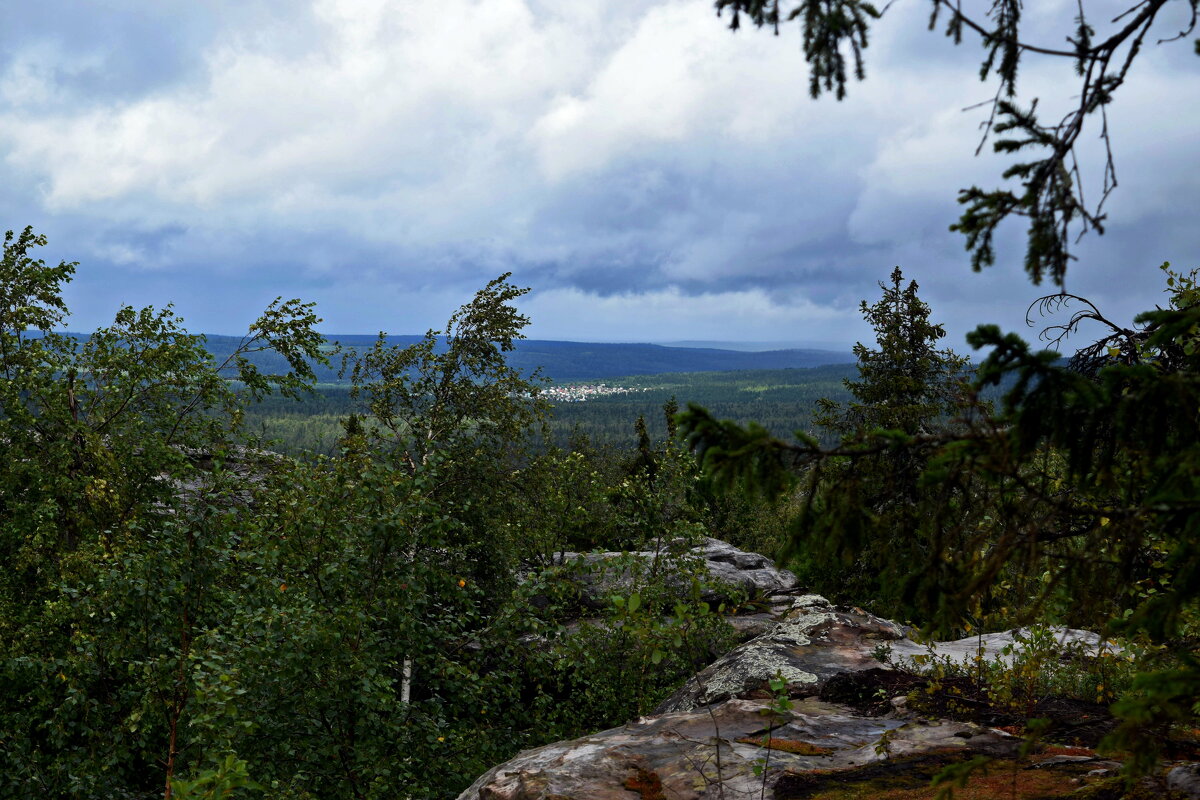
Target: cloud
638,164
748,315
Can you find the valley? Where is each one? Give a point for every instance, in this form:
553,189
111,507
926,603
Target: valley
780,399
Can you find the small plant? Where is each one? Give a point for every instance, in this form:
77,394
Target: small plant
1037,665
779,711
883,747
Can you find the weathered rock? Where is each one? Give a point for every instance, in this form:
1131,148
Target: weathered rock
600,575
814,641
708,739
750,626
1185,779
715,752
811,644
753,572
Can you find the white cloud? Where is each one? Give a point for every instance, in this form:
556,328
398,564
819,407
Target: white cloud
397,97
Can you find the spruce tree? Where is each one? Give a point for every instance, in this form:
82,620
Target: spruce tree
905,383
864,552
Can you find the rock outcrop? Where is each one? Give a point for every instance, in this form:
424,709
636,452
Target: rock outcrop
722,736
719,752
1185,779
814,641
600,575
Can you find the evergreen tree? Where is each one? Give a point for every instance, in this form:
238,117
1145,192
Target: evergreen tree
1082,487
1088,471
906,383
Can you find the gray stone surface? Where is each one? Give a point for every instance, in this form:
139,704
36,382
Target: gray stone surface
606,573
1185,779
714,753
706,740
814,641
751,571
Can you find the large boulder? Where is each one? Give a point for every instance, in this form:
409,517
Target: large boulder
721,566
752,572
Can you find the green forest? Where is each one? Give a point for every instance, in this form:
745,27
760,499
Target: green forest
780,399
187,613
225,581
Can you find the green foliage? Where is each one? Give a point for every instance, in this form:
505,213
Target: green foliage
1039,665
655,631
371,600
1124,506
120,525
218,782
907,388
653,634
426,397
905,383
851,538
1075,500
619,667
560,504
30,292
184,616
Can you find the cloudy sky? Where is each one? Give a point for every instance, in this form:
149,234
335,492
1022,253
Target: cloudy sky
649,174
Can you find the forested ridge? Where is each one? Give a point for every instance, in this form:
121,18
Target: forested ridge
564,361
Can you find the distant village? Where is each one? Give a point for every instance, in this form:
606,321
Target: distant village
583,392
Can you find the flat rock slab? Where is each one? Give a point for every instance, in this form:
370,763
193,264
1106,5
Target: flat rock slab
716,752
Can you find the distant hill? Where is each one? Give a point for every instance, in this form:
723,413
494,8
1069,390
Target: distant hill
569,361
719,344
577,361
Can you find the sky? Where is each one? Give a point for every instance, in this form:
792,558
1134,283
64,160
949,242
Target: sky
649,174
